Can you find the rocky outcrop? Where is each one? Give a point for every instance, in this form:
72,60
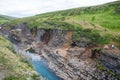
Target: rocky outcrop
110,63
63,57
77,64
21,34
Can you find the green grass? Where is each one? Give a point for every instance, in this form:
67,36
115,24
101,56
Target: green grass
16,67
5,19
106,15
92,37
105,19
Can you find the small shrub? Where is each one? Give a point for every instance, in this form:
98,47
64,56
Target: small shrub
11,48
35,77
93,18
27,62
10,78
118,76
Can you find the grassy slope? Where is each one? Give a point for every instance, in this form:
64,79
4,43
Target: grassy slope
12,65
106,16
102,19
4,19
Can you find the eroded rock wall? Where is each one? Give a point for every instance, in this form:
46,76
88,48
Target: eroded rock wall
68,62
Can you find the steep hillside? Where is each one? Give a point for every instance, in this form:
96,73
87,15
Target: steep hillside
106,16
96,23
12,65
4,19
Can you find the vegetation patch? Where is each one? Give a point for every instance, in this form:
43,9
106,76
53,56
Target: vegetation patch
92,36
13,64
105,70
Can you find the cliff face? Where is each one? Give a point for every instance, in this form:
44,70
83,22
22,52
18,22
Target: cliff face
70,63
50,37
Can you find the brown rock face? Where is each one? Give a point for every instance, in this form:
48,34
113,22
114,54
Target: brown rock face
70,63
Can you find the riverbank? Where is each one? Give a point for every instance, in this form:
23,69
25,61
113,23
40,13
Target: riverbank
12,65
39,64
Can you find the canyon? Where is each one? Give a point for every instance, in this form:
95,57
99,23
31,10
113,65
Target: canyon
69,60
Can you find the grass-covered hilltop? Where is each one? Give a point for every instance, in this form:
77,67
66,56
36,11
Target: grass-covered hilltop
4,19
99,24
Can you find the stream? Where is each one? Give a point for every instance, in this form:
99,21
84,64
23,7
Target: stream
41,67
39,64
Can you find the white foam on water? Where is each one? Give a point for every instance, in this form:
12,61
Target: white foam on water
34,56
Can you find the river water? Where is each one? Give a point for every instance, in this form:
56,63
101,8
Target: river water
41,67
39,64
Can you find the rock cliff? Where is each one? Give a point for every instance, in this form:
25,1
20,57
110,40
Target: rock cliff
68,62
